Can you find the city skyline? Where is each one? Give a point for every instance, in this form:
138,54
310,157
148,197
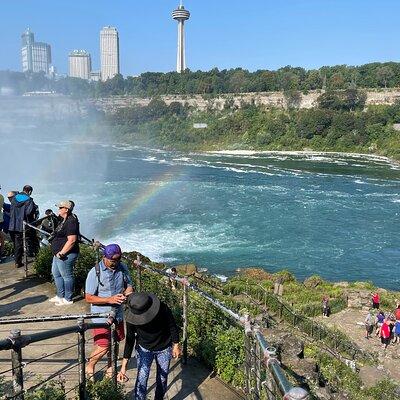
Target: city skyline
265,35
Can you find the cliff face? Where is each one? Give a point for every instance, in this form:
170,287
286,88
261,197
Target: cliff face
267,99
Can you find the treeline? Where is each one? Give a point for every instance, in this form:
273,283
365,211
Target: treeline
213,82
339,123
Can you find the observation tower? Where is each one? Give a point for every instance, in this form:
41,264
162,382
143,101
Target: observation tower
181,15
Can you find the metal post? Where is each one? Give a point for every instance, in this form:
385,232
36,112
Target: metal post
138,264
25,246
247,354
258,363
16,362
114,353
185,324
81,359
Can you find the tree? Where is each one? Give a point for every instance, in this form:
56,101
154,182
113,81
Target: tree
384,74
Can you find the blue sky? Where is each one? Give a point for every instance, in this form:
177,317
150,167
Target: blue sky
258,34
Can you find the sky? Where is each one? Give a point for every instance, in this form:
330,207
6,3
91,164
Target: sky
257,34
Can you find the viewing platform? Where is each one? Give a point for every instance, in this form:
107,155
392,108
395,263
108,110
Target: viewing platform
57,358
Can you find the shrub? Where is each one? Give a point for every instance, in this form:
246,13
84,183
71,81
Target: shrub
105,390
54,390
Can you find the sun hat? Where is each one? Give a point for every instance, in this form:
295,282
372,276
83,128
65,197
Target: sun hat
112,250
65,203
141,308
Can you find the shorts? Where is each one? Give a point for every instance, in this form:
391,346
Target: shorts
369,328
102,336
385,341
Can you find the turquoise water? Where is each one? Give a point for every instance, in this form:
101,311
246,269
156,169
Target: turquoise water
335,216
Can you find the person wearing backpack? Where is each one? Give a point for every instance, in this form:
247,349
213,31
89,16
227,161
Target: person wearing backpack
107,286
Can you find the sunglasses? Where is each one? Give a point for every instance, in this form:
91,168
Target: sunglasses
114,260
60,208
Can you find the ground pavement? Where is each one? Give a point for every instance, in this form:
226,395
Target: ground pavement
20,297
351,322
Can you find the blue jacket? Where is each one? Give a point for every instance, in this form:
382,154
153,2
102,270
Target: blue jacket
23,208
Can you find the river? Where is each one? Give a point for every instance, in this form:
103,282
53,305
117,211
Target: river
332,215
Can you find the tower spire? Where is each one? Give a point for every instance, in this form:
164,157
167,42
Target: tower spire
181,15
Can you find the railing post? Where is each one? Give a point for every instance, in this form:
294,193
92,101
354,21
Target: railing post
114,353
16,363
247,354
258,363
25,247
138,264
185,324
81,359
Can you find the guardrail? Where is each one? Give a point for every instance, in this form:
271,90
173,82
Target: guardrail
264,375
16,342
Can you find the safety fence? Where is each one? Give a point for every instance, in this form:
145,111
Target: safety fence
71,370
264,376
334,339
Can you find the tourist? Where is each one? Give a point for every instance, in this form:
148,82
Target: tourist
23,208
65,248
150,326
397,311
396,336
1,227
325,307
172,282
107,286
376,300
380,318
50,223
369,325
385,333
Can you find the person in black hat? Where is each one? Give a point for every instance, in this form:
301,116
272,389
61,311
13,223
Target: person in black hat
149,323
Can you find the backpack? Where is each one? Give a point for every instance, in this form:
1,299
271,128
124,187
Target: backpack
100,283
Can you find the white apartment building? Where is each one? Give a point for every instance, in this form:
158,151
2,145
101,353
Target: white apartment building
109,53
36,56
80,64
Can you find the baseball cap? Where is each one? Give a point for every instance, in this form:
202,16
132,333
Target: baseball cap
65,203
111,250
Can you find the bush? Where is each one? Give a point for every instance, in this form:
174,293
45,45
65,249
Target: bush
105,390
54,390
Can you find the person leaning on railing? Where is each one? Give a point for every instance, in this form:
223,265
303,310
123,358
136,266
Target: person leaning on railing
65,248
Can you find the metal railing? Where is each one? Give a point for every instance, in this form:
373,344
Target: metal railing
263,373
16,342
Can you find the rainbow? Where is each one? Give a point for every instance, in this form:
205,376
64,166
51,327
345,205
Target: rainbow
140,199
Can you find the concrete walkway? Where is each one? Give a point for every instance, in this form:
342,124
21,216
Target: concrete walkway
20,297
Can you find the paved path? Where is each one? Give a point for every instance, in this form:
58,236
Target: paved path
351,322
21,297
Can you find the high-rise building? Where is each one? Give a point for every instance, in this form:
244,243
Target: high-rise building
80,64
109,53
181,15
36,56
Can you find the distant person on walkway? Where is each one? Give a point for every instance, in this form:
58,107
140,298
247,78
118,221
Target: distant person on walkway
385,333
396,335
151,327
369,325
1,226
172,282
107,286
326,309
376,300
380,318
397,312
65,249
23,208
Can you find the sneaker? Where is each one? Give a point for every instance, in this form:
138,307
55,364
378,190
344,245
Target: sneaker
55,299
64,302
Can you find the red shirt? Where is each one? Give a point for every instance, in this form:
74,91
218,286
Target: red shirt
385,331
397,313
375,298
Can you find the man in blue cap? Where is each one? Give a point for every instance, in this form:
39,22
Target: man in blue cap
107,286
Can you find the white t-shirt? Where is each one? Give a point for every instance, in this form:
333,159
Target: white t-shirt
1,208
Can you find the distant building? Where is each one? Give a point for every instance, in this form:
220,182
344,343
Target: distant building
36,56
95,76
109,53
181,15
80,64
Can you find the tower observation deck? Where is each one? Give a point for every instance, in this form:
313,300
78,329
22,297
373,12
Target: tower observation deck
181,15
